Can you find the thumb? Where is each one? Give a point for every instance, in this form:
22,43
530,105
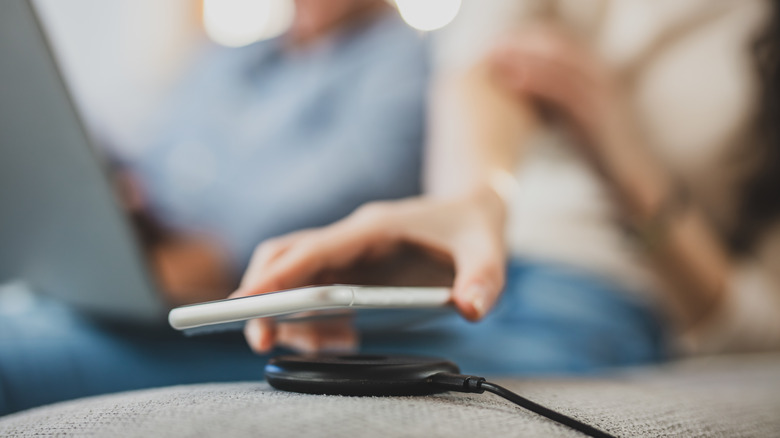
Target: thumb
260,334
479,281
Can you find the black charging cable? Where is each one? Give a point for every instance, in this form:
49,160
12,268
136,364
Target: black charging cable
377,375
478,385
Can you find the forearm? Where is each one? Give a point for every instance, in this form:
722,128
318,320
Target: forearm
680,243
476,130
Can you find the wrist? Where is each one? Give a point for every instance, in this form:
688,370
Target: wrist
493,196
503,184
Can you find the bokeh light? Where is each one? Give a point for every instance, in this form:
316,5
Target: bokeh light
428,14
237,23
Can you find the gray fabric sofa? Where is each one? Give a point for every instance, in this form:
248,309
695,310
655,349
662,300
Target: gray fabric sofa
736,396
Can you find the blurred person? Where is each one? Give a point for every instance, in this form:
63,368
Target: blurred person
611,166
276,136
254,142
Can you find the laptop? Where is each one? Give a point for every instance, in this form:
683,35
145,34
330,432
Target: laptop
62,229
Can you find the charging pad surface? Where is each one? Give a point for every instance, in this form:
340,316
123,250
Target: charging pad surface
376,375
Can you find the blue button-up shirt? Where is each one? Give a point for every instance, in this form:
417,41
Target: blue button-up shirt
263,140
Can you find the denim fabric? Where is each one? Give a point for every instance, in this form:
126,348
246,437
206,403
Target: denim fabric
549,320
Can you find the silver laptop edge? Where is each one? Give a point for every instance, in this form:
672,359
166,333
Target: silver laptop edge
62,230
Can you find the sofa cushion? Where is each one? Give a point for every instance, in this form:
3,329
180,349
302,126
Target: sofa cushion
728,397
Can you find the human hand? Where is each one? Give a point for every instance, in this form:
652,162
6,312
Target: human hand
467,233
190,269
187,268
553,67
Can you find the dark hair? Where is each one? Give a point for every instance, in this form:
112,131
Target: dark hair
759,202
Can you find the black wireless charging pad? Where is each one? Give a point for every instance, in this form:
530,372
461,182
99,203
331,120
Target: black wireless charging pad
376,375
394,375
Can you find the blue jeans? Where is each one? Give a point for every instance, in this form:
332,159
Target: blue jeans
550,320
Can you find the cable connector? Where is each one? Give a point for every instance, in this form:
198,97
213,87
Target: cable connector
457,382
476,384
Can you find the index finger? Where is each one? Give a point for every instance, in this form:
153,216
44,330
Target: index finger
331,248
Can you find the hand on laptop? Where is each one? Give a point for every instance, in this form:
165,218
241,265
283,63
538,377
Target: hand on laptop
465,233
190,270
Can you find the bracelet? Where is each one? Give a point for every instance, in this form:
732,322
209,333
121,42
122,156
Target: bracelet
504,184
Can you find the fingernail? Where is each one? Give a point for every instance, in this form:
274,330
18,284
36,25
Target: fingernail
476,296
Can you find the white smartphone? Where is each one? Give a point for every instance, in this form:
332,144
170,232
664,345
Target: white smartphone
299,303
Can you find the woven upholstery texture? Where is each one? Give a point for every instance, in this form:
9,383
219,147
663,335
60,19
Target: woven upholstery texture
718,397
